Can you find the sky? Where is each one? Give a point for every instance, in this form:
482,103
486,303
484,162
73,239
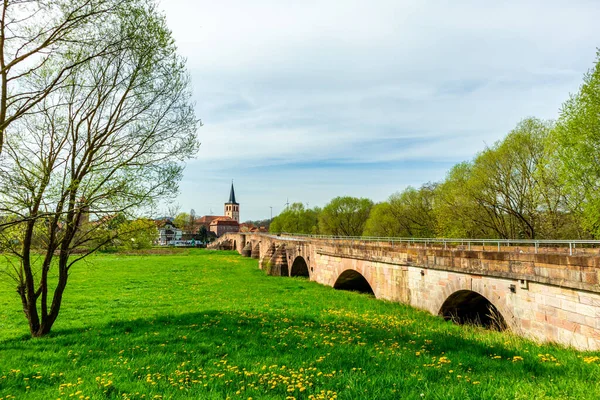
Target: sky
306,100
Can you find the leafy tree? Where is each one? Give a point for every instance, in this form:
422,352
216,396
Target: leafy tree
457,214
182,221
559,210
185,221
109,140
203,234
345,216
405,214
510,190
383,221
141,233
297,219
577,140
505,181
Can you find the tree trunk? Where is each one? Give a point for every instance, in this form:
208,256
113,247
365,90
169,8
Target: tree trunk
39,328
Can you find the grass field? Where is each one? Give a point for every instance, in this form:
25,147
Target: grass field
210,325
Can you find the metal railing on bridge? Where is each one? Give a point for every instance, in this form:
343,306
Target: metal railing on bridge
571,247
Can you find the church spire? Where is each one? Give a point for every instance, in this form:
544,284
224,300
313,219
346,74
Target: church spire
232,207
232,195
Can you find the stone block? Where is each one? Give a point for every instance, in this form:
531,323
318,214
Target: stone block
588,311
589,299
568,305
551,333
593,344
579,341
553,311
590,277
590,332
540,317
575,317
569,326
550,301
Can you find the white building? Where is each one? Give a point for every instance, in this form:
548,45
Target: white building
168,232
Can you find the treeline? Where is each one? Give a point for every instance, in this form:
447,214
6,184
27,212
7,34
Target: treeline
542,181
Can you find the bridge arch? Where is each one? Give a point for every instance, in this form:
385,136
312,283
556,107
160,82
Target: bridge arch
470,307
353,280
299,267
247,249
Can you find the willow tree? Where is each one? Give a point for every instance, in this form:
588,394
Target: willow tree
110,140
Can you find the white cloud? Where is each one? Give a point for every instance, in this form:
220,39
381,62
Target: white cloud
381,84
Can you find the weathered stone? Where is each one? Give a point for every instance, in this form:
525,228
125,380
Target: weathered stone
247,250
560,300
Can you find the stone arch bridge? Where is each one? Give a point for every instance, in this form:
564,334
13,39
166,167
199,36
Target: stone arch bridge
550,294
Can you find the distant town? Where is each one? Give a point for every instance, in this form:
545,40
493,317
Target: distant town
192,231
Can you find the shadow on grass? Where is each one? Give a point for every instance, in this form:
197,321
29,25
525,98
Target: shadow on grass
259,337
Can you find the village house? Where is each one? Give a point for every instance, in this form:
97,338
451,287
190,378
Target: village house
168,232
224,225
220,224
217,224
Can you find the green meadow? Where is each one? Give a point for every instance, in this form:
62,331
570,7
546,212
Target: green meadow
210,325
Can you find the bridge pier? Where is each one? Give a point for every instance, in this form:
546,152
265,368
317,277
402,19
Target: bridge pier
247,250
255,251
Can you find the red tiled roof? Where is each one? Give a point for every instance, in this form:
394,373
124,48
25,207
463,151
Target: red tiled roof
207,219
224,221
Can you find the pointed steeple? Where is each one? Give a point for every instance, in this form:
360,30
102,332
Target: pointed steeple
232,195
232,207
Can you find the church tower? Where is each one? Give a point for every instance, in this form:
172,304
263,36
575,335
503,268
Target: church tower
232,209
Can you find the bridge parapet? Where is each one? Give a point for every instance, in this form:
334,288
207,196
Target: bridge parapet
569,247
577,272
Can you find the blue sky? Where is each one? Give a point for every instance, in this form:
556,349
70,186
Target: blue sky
308,100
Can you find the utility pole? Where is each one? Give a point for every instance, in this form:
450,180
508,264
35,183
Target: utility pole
287,203
271,207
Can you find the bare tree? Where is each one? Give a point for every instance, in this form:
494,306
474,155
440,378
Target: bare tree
110,140
173,210
35,33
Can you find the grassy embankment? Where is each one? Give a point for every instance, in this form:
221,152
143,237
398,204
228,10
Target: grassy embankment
210,325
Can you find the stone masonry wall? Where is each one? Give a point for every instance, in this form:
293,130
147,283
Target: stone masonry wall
546,297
